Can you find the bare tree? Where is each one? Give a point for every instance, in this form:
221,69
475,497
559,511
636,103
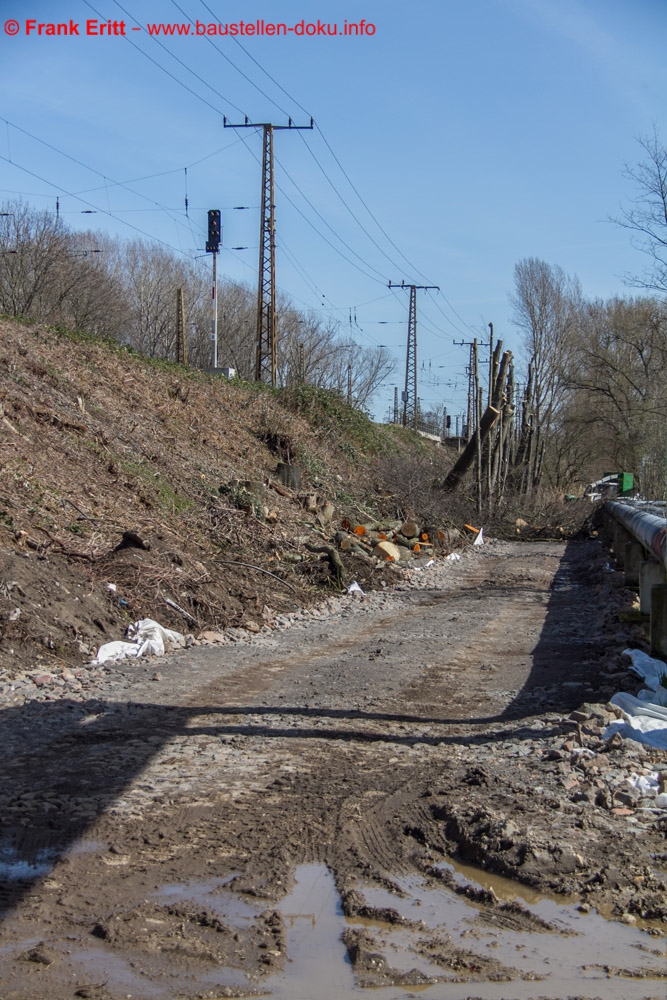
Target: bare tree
150,276
361,369
306,348
91,296
545,304
128,290
34,249
617,374
314,352
647,216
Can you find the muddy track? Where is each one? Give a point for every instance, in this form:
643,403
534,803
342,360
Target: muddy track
152,837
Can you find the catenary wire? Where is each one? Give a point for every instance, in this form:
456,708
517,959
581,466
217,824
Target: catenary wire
410,264
179,61
219,50
92,170
97,208
227,58
321,235
161,67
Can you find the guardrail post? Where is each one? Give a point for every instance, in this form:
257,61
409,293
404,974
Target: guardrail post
659,620
632,560
651,574
621,537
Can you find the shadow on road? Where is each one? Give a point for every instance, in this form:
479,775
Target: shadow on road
576,637
66,762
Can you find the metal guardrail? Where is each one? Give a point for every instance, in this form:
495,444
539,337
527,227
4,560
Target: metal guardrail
642,521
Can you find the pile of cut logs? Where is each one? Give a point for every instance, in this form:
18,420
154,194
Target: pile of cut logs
393,541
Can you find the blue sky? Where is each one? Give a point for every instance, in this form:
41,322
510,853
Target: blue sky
476,133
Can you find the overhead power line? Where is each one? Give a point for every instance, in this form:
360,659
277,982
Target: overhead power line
159,65
163,173
96,208
264,94
412,267
381,277
92,170
224,55
166,48
365,263
310,151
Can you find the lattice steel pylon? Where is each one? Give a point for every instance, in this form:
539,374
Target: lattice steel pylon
410,394
410,403
267,336
266,360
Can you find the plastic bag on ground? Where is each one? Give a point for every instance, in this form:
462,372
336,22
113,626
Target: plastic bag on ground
147,638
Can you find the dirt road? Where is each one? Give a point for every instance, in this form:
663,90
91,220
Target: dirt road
343,802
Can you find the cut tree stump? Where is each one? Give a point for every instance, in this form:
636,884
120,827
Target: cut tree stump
334,559
289,475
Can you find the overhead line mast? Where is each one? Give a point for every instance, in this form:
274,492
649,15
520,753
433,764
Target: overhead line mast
410,399
266,358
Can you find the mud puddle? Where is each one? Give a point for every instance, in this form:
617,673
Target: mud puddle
317,965
212,894
15,867
566,951
102,967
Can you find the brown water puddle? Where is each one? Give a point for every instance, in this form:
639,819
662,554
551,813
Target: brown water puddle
575,959
583,955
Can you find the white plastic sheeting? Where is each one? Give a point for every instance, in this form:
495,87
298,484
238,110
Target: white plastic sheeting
645,716
650,786
645,720
146,638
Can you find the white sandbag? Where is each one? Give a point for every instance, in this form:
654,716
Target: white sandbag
147,638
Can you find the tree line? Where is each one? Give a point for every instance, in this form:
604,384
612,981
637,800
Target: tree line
127,290
590,397
594,399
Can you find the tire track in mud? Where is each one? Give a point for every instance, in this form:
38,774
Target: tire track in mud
341,743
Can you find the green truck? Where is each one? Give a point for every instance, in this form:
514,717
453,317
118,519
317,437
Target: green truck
612,484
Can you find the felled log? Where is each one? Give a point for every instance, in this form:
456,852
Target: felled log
467,456
388,551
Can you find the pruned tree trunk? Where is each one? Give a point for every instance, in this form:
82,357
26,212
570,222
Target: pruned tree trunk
468,454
